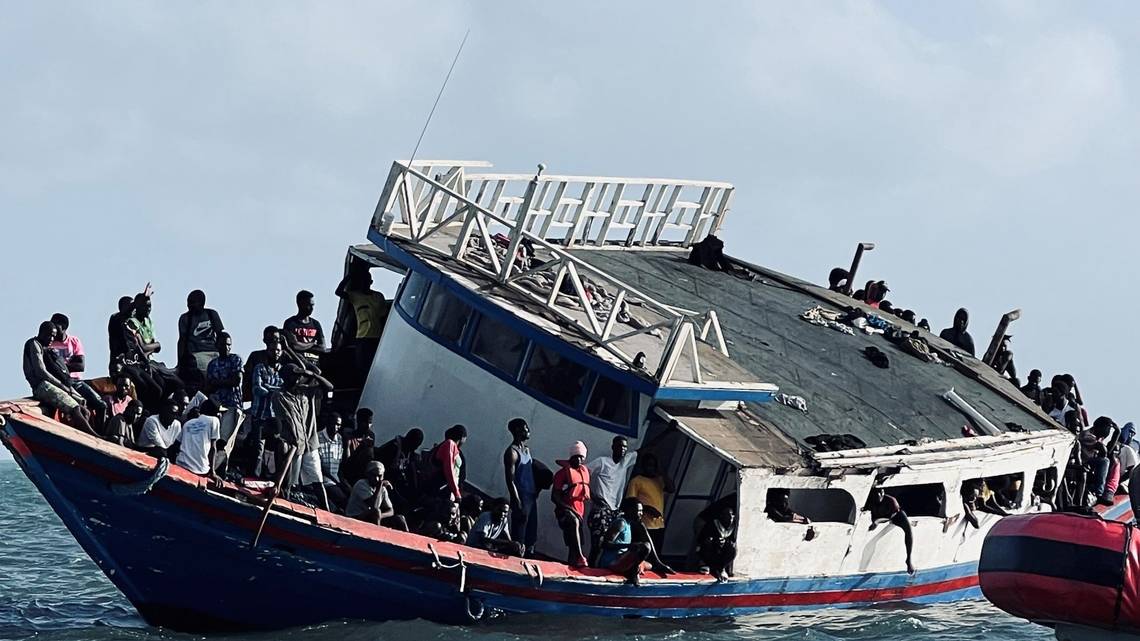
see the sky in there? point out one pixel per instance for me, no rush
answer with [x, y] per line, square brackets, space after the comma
[988, 149]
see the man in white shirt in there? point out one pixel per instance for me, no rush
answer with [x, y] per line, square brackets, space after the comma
[162, 432]
[608, 476]
[200, 438]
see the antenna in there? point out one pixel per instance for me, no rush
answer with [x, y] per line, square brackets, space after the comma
[437, 97]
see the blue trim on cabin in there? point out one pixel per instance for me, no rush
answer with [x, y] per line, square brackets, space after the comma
[528, 331]
[463, 349]
[712, 394]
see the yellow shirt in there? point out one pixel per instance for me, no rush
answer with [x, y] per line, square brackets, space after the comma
[651, 493]
[371, 313]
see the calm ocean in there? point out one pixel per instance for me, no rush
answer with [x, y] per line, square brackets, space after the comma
[50, 590]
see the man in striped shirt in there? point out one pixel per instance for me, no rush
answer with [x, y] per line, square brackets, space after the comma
[267, 383]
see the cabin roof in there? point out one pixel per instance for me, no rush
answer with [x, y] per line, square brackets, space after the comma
[845, 393]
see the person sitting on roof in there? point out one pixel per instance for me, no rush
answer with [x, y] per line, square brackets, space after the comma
[198, 331]
[122, 427]
[716, 546]
[303, 333]
[162, 432]
[1003, 360]
[492, 530]
[371, 311]
[369, 500]
[70, 349]
[779, 508]
[54, 390]
[1032, 387]
[201, 439]
[650, 486]
[885, 508]
[839, 281]
[957, 334]
[570, 493]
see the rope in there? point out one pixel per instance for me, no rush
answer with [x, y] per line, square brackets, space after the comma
[537, 576]
[138, 488]
[461, 563]
[474, 616]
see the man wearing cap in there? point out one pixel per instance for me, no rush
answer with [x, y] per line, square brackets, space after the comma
[369, 500]
[570, 492]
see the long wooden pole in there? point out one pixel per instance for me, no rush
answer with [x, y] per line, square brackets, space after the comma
[273, 495]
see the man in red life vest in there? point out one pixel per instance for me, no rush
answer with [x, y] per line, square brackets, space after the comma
[570, 492]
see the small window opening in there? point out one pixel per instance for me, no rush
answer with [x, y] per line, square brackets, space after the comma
[413, 292]
[498, 345]
[1045, 484]
[444, 314]
[610, 401]
[553, 375]
[810, 505]
[925, 499]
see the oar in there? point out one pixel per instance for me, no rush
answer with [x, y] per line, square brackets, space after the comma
[273, 495]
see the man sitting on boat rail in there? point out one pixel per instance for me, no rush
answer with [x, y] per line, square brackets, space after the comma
[885, 508]
[492, 531]
[47, 387]
[369, 500]
[620, 553]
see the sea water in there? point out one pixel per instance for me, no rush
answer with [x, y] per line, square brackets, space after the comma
[50, 590]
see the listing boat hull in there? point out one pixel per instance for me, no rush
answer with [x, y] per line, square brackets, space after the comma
[1077, 574]
[181, 553]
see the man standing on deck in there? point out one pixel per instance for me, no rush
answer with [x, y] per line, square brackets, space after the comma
[223, 385]
[70, 349]
[269, 336]
[957, 335]
[266, 385]
[295, 409]
[303, 333]
[198, 329]
[371, 312]
[522, 493]
[46, 387]
[608, 476]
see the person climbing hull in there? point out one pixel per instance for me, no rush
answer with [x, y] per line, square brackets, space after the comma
[180, 551]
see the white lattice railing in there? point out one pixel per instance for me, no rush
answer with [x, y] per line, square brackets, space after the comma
[479, 221]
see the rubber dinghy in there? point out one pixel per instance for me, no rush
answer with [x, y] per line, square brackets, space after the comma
[1077, 574]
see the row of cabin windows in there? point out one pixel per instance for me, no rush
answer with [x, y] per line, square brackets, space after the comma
[542, 370]
[836, 505]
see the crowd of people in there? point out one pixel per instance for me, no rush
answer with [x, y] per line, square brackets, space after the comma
[271, 417]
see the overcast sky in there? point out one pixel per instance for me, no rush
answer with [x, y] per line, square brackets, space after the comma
[988, 149]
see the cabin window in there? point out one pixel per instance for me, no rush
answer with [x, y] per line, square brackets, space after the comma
[556, 376]
[819, 505]
[444, 314]
[926, 499]
[414, 288]
[1003, 491]
[610, 401]
[498, 345]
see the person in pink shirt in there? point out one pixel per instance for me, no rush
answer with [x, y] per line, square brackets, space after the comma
[70, 349]
[117, 403]
[449, 457]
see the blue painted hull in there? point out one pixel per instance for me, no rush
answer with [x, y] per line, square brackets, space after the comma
[181, 554]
